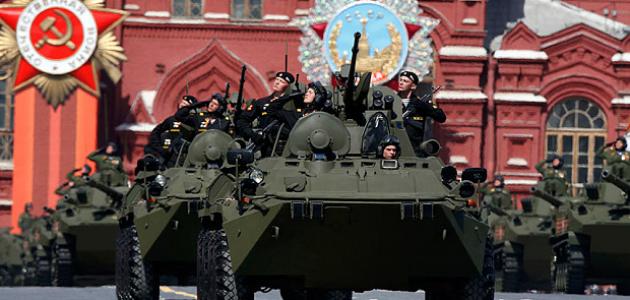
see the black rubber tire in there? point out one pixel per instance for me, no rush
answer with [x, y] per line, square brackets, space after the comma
[508, 272]
[569, 272]
[42, 271]
[480, 287]
[5, 277]
[215, 277]
[61, 269]
[135, 278]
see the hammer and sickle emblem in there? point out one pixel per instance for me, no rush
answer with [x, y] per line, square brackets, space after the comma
[62, 39]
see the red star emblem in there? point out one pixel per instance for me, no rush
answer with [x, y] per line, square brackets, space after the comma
[58, 34]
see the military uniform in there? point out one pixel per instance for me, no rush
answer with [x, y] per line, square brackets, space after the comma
[414, 118]
[165, 138]
[498, 197]
[25, 222]
[105, 161]
[617, 161]
[554, 179]
[205, 121]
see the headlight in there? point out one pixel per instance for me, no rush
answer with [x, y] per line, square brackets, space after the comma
[256, 175]
[161, 180]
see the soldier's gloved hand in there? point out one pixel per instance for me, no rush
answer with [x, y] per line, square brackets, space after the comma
[182, 113]
[258, 138]
[191, 99]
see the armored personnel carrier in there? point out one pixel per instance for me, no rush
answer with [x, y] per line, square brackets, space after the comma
[586, 231]
[85, 227]
[328, 216]
[522, 251]
[12, 259]
[160, 223]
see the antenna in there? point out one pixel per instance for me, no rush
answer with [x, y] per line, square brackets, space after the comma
[286, 56]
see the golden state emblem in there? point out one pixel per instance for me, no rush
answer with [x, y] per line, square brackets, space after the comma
[394, 36]
[59, 45]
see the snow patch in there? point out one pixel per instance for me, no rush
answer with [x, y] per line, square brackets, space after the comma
[521, 54]
[465, 51]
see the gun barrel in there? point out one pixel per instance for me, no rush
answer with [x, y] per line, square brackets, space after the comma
[114, 194]
[547, 197]
[618, 182]
[348, 96]
[241, 85]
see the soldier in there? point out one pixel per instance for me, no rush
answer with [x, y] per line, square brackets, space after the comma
[25, 221]
[212, 116]
[415, 111]
[498, 195]
[389, 148]
[615, 155]
[259, 110]
[315, 99]
[164, 135]
[107, 158]
[554, 176]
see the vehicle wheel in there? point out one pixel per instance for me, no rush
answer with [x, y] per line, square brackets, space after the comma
[215, 277]
[569, 272]
[5, 277]
[61, 265]
[482, 287]
[42, 271]
[508, 272]
[135, 278]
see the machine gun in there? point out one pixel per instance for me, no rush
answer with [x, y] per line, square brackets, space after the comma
[239, 99]
[116, 196]
[352, 110]
[547, 197]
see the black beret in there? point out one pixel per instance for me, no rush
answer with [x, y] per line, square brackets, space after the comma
[288, 77]
[410, 75]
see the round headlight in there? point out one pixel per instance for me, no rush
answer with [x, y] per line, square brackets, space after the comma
[256, 175]
[161, 180]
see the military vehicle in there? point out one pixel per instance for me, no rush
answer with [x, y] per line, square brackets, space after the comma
[12, 258]
[159, 222]
[586, 232]
[522, 251]
[86, 225]
[328, 216]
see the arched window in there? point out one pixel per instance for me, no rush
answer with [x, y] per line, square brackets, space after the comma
[576, 128]
[6, 120]
[246, 9]
[187, 8]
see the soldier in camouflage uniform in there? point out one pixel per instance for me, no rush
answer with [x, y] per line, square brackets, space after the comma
[554, 176]
[25, 222]
[498, 195]
[616, 156]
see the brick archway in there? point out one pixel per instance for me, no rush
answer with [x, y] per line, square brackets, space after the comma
[206, 73]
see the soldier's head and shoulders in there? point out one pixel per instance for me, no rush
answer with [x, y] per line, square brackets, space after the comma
[407, 84]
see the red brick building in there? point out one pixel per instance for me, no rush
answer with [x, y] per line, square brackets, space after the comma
[520, 78]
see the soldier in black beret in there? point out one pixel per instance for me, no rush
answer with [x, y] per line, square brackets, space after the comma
[415, 111]
[213, 115]
[260, 110]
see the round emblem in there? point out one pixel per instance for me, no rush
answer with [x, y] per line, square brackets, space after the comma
[384, 43]
[56, 37]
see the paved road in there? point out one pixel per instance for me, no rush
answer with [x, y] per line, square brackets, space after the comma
[187, 293]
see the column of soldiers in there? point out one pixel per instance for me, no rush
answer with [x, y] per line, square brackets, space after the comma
[264, 120]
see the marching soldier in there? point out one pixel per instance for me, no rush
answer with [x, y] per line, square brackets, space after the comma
[616, 156]
[415, 111]
[25, 221]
